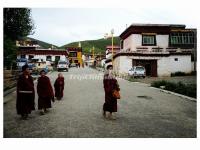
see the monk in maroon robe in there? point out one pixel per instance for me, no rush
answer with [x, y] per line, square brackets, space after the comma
[59, 86]
[110, 84]
[45, 92]
[25, 93]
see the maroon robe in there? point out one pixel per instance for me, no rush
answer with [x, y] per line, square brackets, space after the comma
[45, 92]
[110, 84]
[59, 87]
[25, 99]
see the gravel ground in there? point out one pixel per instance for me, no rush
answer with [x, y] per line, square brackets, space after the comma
[142, 112]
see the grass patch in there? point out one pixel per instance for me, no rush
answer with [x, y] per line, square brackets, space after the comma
[157, 84]
[131, 79]
[179, 73]
[181, 88]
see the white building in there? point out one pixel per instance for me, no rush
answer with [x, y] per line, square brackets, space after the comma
[161, 48]
[116, 49]
[42, 55]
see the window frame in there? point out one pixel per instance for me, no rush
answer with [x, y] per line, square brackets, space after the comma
[149, 44]
[181, 39]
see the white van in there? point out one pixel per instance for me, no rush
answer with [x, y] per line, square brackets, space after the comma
[137, 71]
[62, 65]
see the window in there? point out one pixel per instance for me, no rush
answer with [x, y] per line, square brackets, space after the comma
[23, 56]
[48, 58]
[62, 63]
[57, 58]
[186, 38]
[30, 57]
[175, 59]
[72, 54]
[148, 40]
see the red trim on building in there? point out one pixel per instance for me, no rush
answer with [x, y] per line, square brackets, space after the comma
[42, 52]
[152, 54]
[77, 49]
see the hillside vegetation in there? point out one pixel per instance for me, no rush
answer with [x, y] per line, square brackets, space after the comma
[99, 45]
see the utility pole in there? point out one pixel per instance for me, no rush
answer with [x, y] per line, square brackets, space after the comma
[93, 52]
[112, 32]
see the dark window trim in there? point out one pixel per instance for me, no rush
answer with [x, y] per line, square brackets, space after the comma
[122, 44]
[175, 59]
[189, 45]
[154, 44]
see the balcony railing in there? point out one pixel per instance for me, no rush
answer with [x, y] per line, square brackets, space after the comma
[156, 50]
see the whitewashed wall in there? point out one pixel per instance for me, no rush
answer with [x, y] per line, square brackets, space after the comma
[192, 65]
[128, 42]
[162, 40]
[168, 65]
[43, 57]
[165, 65]
[135, 40]
[183, 64]
[124, 63]
[116, 66]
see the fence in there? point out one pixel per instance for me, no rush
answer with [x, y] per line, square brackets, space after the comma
[10, 79]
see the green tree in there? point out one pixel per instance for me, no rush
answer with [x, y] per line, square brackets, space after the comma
[17, 25]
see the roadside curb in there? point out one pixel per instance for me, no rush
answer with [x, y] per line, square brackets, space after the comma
[179, 95]
[5, 93]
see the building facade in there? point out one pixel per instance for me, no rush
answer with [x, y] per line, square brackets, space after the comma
[75, 55]
[161, 48]
[34, 54]
[116, 49]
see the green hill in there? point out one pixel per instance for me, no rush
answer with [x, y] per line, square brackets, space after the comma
[99, 45]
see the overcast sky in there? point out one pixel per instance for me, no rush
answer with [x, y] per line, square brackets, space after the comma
[60, 26]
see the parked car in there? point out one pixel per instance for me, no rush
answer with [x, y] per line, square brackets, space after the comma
[73, 65]
[33, 68]
[62, 65]
[21, 62]
[137, 71]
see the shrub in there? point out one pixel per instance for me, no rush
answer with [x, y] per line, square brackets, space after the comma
[170, 86]
[193, 73]
[181, 88]
[191, 90]
[159, 83]
[179, 73]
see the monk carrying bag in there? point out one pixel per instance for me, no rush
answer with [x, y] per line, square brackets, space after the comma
[116, 94]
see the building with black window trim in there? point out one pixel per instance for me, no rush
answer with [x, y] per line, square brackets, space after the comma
[161, 48]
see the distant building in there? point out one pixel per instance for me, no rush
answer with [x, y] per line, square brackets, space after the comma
[90, 61]
[161, 48]
[75, 55]
[116, 49]
[24, 44]
[33, 52]
[108, 60]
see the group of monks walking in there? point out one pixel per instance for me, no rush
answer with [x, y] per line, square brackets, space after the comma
[26, 92]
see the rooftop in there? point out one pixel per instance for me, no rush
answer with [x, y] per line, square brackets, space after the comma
[138, 28]
[158, 25]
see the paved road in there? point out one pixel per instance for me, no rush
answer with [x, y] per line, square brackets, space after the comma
[142, 112]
